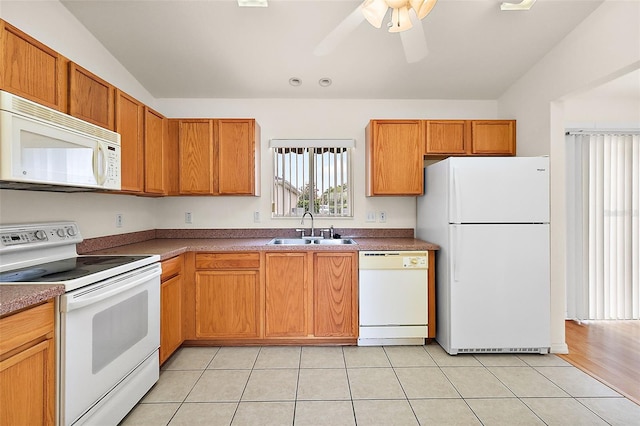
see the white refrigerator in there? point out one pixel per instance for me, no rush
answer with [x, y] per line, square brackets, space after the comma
[490, 216]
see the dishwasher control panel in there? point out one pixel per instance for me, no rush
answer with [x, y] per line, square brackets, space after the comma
[380, 260]
[414, 262]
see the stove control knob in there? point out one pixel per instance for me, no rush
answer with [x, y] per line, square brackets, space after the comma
[60, 233]
[71, 231]
[40, 235]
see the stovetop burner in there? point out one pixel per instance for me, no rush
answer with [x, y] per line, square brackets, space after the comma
[66, 269]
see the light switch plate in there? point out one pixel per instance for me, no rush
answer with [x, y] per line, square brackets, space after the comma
[371, 216]
[188, 217]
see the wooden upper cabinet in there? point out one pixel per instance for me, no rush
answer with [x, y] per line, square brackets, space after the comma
[493, 137]
[335, 299]
[238, 153]
[218, 157]
[470, 137]
[447, 137]
[394, 154]
[155, 133]
[130, 125]
[32, 70]
[196, 156]
[91, 98]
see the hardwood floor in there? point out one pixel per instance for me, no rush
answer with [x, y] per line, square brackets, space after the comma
[608, 351]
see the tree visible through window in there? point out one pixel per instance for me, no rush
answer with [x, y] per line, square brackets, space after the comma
[312, 178]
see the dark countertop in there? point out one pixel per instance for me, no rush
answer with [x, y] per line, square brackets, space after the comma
[170, 247]
[16, 297]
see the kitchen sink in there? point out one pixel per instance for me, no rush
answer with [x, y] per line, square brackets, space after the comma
[309, 241]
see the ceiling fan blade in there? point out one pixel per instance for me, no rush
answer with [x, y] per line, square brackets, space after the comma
[339, 33]
[414, 41]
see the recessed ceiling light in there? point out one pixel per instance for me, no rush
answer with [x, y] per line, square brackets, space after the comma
[295, 81]
[252, 3]
[324, 82]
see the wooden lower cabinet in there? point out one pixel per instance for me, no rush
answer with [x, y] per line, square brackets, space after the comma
[226, 304]
[272, 297]
[335, 297]
[286, 296]
[171, 307]
[227, 295]
[27, 367]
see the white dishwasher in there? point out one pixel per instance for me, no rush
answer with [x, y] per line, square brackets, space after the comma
[393, 297]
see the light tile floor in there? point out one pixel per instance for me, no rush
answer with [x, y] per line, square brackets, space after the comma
[393, 385]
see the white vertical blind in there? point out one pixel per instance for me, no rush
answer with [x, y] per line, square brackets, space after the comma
[604, 229]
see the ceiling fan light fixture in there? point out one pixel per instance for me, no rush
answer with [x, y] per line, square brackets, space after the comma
[374, 11]
[523, 5]
[422, 7]
[400, 20]
[252, 3]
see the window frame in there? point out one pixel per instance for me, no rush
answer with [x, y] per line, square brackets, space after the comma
[310, 147]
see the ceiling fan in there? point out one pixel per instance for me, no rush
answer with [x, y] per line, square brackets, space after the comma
[405, 19]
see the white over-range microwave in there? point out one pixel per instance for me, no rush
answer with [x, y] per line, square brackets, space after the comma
[44, 149]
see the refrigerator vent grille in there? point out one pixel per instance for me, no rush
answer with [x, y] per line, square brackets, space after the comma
[501, 350]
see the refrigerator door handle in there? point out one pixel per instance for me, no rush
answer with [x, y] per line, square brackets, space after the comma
[457, 199]
[455, 244]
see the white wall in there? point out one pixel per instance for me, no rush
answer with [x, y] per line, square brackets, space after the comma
[299, 119]
[52, 24]
[603, 47]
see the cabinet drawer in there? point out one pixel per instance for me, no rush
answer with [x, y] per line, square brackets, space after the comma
[238, 260]
[26, 326]
[171, 267]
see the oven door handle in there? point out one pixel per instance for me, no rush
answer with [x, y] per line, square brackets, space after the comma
[69, 303]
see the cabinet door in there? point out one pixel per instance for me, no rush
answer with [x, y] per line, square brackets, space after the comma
[91, 98]
[447, 137]
[285, 295]
[335, 308]
[30, 69]
[227, 304]
[235, 140]
[394, 157]
[154, 133]
[195, 144]
[26, 386]
[170, 316]
[27, 367]
[493, 137]
[130, 125]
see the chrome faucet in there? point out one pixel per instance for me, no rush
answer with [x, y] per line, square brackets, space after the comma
[302, 221]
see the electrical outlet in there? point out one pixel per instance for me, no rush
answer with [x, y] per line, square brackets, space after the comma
[256, 217]
[371, 216]
[119, 220]
[382, 217]
[188, 218]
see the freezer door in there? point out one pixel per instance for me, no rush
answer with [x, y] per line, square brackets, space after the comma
[499, 287]
[499, 190]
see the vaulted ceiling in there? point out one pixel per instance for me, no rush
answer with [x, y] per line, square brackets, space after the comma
[215, 49]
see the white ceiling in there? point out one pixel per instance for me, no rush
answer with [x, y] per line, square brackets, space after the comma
[214, 49]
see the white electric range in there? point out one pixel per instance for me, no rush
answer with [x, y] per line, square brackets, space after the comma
[107, 321]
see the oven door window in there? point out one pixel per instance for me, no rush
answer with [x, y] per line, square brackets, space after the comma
[119, 328]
